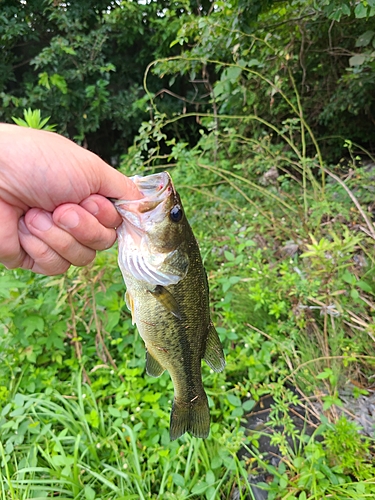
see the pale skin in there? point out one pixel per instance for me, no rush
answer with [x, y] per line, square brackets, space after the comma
[54, 210]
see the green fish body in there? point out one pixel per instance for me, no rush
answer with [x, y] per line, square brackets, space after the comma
[167, 293]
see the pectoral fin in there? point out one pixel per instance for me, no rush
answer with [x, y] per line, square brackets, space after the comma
[167, 300]
[153, 367]
[130, 305]
[214, 355]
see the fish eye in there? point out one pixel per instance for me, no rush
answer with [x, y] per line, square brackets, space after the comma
[176, 213]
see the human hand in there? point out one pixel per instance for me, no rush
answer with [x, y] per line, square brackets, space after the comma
[53, 206]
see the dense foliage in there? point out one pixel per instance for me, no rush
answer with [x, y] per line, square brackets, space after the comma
[262, 110]
[83, 64]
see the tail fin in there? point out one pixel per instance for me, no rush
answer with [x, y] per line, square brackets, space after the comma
[192, 416]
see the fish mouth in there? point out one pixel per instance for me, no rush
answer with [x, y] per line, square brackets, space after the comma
[154, 189]
[149, 210]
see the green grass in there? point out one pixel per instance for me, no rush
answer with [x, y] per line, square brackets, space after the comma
[53, 444]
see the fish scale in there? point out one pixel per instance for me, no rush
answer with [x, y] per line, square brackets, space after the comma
[167, 293]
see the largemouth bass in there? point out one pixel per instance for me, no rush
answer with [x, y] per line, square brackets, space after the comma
[167, 294]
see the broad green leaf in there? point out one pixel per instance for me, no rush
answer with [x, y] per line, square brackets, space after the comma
[113, 318]
[232, 73]
[68, 50]
[44, 80]
[59, 82]
[228, 255]
[336, 12]
[89, 493]
[115, 412]
[199, 488]
[33, 323]
[234, 400]
[248, 405]
[9, 448]
[237, 412]
[357, 60]
[298, 462]
[210, 493]
[361, 11]
[7, 283]
[151, 398]
[93, 419]
[178, 480]
[364, 39]
[283, 481]
[364, 286]
[345, 9]
[19, 399]
[6, 409]
[361, 488]
[17, 412]
[216, 462]
[349, 278]
[210, 477]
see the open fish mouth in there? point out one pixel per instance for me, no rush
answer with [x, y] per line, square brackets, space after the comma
[139, 214]
[154, 188]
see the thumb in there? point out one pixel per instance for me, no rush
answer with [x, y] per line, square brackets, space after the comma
[113, 184]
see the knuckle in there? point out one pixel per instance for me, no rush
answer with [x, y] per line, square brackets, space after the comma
[46, 254]
[100, 239]
[11, 260]
[10, 264]
[27, 263]
[64, 246]
[85, 258]
[96, 238]
[63, 267]
[106, 240]
[52, 268]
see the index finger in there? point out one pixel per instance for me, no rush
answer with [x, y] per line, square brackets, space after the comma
[103, 210]
[83, 226]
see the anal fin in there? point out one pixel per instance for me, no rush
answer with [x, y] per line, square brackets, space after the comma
[214, 355]
[153, 367]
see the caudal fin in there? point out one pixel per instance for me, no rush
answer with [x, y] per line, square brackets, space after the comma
[192, 416]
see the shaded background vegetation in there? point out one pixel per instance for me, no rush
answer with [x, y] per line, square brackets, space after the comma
[83, 64]
[263, 112]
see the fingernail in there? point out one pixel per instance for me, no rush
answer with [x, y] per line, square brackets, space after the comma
[22, 226]
[90, 206]
[69, 219]
[42, 221]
